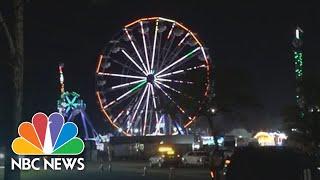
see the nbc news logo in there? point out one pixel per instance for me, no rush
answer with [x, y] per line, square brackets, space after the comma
[49, 136]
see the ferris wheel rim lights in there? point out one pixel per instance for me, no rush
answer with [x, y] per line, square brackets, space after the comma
[158, 78]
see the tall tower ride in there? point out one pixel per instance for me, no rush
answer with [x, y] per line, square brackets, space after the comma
[298, 63]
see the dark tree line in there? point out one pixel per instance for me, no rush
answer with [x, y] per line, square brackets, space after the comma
[232, 96]
[305, 133]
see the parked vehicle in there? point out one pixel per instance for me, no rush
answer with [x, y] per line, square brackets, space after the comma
[198, 158]
[165, 156]
[268, 163]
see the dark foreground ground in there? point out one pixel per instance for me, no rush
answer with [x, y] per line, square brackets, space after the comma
[120, 170]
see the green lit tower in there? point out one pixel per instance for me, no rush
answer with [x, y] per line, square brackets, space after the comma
[298, 63]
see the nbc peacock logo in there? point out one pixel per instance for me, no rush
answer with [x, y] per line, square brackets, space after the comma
[47, 136]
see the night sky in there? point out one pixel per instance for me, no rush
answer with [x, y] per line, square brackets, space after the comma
[253, 37]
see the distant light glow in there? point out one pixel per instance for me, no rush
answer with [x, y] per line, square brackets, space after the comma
[165, 149]
[297, 34]
[136, 130]
[270, 138]
[170, 152]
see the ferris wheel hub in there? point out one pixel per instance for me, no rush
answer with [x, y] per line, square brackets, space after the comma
[150, 78]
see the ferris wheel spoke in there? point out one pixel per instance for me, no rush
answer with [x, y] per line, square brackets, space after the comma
[170, 32]
[154, 103]
[128, 67]
[125, 94]
[169, 87]
[126, 84]
[184, 62]
[166, 51]
[173, 101]
[121, 75]
[128, 106]
[175, 90]
[145, 46]
[138, 107]
[184, 38]
[176, 51]
[179, 60]
[173, 55]
[137, 52]
[130, 58]
[174, 81]
[182, 71]
[146, 111]
[159, 52]
[170, 39]
[154, 44]
[164, 56]
[124, 112]
[118, 116]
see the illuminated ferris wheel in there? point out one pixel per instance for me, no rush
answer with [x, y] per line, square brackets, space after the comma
[152, 78]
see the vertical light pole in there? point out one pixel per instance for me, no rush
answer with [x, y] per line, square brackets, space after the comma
[298, 64]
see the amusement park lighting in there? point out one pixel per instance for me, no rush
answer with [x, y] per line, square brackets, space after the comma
[130, 58]
[297, 34]
[141, 87]
[137, 52]
[165, 149]
[145, 46]
[136, 130]
[154, 44]
[179, 60]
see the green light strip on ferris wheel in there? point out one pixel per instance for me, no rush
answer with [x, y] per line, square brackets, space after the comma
[138, 86]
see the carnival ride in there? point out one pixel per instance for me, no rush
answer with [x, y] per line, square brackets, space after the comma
[72, 107]
[152, 78]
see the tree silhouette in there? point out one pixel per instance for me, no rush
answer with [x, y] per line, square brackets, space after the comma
[15, 43]
[232, 95]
